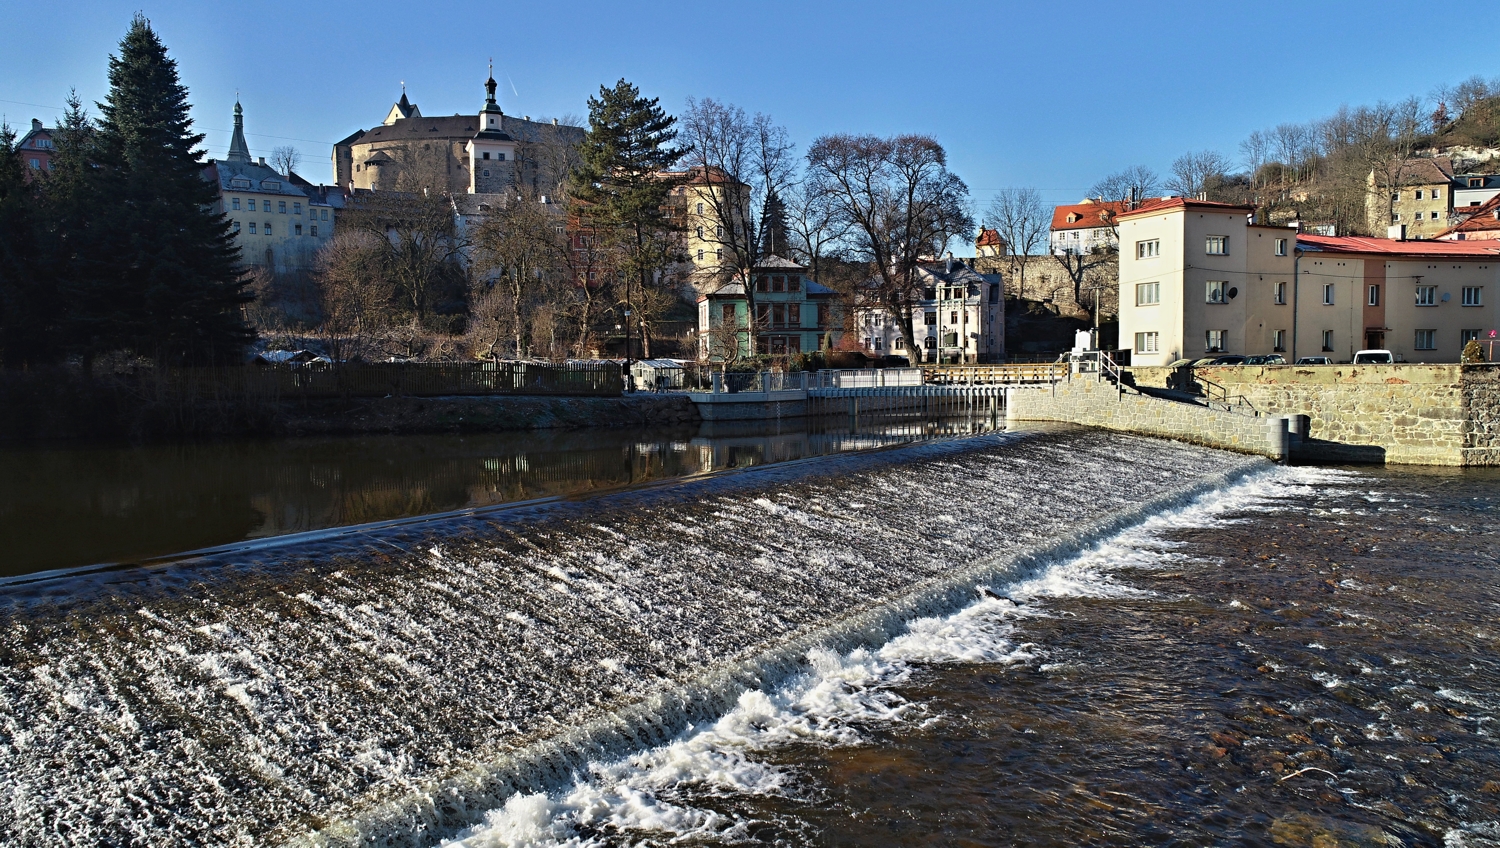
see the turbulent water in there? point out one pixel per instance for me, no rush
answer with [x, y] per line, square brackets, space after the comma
[385, 685]
[1307, 657]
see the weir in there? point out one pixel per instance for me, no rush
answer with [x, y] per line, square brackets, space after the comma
[388, 687]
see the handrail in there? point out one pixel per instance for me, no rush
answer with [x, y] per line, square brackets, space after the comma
[1230, 403]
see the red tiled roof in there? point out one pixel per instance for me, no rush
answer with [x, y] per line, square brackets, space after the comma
[1482, 219]
[988, 236]
[1393, 247]
[1163, 204]
[1088, 214]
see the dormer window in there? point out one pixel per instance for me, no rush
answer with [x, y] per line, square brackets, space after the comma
[1074, 217]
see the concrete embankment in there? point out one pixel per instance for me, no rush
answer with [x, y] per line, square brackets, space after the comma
[1403, 414]
[484, 414]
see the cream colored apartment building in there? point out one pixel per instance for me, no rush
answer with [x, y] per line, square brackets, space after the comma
[1198, 279]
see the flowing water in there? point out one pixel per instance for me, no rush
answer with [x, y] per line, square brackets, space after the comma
[1298, 656]
[1308, 657]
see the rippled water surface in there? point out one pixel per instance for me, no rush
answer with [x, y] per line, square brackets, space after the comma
[1307, 658]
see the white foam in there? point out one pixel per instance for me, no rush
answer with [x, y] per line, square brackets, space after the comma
[840, 696]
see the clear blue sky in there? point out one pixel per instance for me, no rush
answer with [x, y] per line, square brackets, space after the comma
[1049, 95]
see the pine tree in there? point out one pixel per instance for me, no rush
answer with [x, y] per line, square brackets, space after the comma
[75, 264]
[177, 289]
[774, 227]
[620, 182]
[20, 291]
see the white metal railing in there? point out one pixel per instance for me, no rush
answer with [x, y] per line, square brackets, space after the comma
[865, 378]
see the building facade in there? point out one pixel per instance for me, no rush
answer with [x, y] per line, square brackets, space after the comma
[1198, 279]
[960, 318]
[484, 153]
[280, 221]
[35, 147]
[1084, 227]
[793, 314]
[1421, 197]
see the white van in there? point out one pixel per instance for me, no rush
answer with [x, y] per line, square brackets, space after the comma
[1374, 357]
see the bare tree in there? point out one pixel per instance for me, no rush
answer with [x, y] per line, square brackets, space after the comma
[816, 227]
[355, 295]
[1020, 217]
[734, 160]
[285, 159]
[1192, 173]
[902, 205]
[517, 252]
[1256, 148]
[1133, 183]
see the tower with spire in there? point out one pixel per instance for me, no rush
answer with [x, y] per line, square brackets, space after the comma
[239, 151]
[492, 152]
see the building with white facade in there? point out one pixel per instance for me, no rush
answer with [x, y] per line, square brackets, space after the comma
[1199, 279]
[960, 318]
[1084, 227]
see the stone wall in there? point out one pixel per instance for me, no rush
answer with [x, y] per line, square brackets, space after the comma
[1094, 403]
[1417, 414]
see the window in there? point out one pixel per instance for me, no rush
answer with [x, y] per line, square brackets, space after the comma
[1437, 193]
[1281, 294]
[1327, 341]
[794, 314]
[1147, 249]
[1374, 296]
[1419, 194]
[36, 164]
[1426, 340]
[700, 233]
[485, 155]
[251, 203]
[727, 316]
[778, 283]
[953, 317]
[252, 228]
[323, 215]
[1466, 336]
[1328, 294]
[700, 209]
[500, 156]
[1218, 245]
[900, 343]
[297, 229]
[234, 203]
[1147, 294]
[268, 228]
[762, 283]
[778, 314]
[1395, 217]
[236, 226]
[486, 172]
[296, 208]
[877, 343]
[719, 254]
[1281, 247]
[1213, 341]
[1434, 216]
[994, 292]
[1473, 296]
[930, 342]
[1427, 295]
[1278, 341]
[793, 283]
[930, 319]
[281, 206]
[1148, 342]
[929, 294]
[1476, 182]
[1214, 292]
[700, 254]
[719, 232]
[314, 230]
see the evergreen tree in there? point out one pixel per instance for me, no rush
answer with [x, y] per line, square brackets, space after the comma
[75, 266]
[774, 227]
[20, 291]
[620, 182]
[176, 290]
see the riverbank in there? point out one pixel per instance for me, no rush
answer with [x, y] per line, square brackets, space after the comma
[60, 406]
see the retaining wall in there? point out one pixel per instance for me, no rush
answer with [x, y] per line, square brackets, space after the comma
[1417, 414]
[1096, 403]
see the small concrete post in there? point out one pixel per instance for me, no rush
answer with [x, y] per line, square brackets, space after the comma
[1279, 439]
[804, 381]
[718, 381]
[1300, 424]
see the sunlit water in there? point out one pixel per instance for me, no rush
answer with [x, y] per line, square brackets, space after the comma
[1305, 658]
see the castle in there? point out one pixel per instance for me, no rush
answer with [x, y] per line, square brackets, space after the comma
[486, 153]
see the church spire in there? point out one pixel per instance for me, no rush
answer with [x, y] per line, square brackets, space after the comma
[239, 151]
[489, 87]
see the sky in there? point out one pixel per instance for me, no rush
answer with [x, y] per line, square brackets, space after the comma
[1044, 95]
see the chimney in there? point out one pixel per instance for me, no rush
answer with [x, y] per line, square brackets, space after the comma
[554, 122]
[35, 125]
[1396, 232]
[263, 161]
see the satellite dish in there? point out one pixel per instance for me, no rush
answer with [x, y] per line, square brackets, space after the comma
[1446, 296]
[1232, 292]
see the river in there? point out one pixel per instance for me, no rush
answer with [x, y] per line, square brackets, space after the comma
[1173, 645]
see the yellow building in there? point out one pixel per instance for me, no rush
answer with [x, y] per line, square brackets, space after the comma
[280, 221]
[702, 201]
[1420, 198]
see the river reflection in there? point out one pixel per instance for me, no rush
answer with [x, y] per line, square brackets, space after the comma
[69, 507]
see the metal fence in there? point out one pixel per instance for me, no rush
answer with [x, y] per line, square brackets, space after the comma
[396, 379]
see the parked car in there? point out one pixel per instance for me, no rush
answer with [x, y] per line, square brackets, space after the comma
[1374, 357]
[1270, 359]
[1228, 359]
[1314, 360]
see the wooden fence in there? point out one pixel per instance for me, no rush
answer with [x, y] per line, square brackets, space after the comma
[396, 379]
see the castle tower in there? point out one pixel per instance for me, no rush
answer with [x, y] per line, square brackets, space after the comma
[239, 151]
[492, 153]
